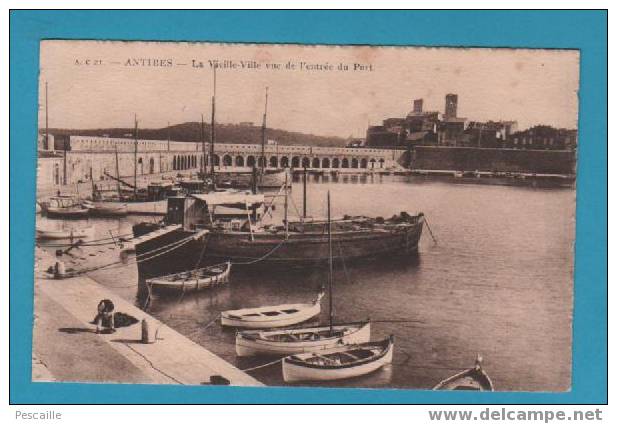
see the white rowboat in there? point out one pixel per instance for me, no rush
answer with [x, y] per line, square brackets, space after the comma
[339, 363]
[103, 208]
[272, 316]
[42, 233]
[197, 279]
[300, 340]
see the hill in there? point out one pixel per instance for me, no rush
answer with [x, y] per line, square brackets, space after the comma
[225, 133]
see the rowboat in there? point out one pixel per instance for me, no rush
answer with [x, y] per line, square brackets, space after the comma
[272, 316]
[196, 279]
[105, 208]
[64, 207]
[339, 363]
[266, 178]
[300, 340]
[65, 233]
[471, 379]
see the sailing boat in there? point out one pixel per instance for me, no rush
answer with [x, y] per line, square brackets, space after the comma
[357, 237]
[267, 178]
[151, 201]
[99, 205]
[310, 339]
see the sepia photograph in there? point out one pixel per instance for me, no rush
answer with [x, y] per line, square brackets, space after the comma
[342, 216]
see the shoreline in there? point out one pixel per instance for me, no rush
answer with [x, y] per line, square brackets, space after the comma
[63, 313]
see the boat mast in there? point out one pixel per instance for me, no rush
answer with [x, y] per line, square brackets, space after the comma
[263, 136]
[212, 131]
[135, 160]
[168, 135]
[304, 194]
[330, 264]
[46, 120]
[286, 209]
[203, 148]
[117, 172]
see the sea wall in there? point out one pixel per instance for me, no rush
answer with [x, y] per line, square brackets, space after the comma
[504, 160]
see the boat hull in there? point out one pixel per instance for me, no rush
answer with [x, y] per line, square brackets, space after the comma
[108, 209]
[297, 373]
[248, 346]
[66, 214]
[473, 379]
[193, 284]
[270, 179]
[298, 250]
[305, 312]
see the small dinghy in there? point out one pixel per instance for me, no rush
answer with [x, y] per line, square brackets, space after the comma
[64, 233]
[300, 340]
[106, 209]
[272, 316]
[197, 279]
[471, 379]
[339, 363]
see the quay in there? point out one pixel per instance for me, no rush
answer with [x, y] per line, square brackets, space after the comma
[66, 347]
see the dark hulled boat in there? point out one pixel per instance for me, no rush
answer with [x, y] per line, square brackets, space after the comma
[245, 241]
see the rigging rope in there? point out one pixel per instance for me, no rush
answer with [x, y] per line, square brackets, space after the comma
[429, 230]
[94, 242]
[137, 259]
[263, 257]
[340, 248]
[262, 366]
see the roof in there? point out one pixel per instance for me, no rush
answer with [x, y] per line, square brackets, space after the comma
[230, 198]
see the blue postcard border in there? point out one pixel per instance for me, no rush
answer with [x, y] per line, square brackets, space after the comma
[584, 30]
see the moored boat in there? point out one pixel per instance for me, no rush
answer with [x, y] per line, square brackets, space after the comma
[106, 208]
[366, 238]
[64, 207]
[197, 279]
[339, 363]
[272, 316]
[266, 178]
[299, 340]
[474, 379]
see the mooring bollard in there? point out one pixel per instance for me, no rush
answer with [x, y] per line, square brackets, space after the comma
[59, 270]
[148, 334]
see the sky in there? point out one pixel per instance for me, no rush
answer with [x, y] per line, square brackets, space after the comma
[102, 84]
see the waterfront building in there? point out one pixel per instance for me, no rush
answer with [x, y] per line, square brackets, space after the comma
[544, 137]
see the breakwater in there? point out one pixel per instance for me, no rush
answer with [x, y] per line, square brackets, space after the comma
[496, 160]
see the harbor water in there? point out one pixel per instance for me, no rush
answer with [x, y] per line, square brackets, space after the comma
[498, 283]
